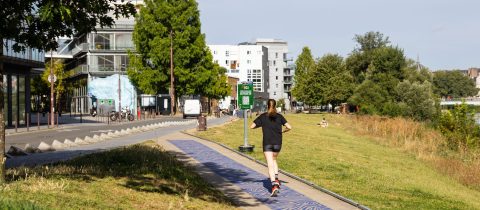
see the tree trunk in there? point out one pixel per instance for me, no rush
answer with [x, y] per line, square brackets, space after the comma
[2, 121]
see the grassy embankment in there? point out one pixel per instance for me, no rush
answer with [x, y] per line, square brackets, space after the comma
[136, 177]
[379, 171]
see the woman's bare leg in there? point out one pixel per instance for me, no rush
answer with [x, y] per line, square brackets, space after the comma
[271, 164]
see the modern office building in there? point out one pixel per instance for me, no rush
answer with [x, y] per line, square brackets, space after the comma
[97, 62]
[18, 69]
[247, 62]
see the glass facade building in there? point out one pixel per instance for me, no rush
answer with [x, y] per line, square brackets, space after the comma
[98, 62]
[18, 69]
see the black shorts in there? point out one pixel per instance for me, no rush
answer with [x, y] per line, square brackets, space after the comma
[272, 147]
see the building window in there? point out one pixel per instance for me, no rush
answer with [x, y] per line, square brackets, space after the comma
[276, 77]
[123, 41]
[249, 52]
[249, 62]
[276, 69]
[274, 93]
[227, 53]
[216, 61]
[276, 55]
[255, 75]
[274, 62]
[276, 85]
[214, 52]
[226, 62]
[103, 41]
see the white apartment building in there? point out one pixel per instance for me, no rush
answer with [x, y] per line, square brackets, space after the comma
[277, 63]
[246, 62]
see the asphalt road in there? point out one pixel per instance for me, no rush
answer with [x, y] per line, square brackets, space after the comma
[76, 130]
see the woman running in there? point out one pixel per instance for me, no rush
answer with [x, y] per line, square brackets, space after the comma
[271, 123]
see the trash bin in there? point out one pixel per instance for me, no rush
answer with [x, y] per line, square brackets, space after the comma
[202, 123]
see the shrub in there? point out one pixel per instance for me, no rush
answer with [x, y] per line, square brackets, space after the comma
[459, 127]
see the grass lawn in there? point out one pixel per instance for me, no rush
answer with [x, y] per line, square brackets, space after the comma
[136, 177]
[356, 167]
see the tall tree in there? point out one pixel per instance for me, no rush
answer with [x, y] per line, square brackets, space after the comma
[36, 23]
[193, 65]
[370, 41]
[304, 64]
[331, 80]
[359, 60]
[453, 84]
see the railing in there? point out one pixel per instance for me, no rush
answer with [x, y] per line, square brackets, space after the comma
[80, 48]
[81, 69]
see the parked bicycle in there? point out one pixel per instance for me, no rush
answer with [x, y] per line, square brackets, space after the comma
[126, 113]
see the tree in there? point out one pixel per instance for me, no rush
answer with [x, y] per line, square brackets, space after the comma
[37, 23]
[370, 41]
[304, 64]
[194, 71]
[417, 99]
[386, 68]
[331, 80]
[360, 59]
[370, 97]
[453, 84]
[60, 83]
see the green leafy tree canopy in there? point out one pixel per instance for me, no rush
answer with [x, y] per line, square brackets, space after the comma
[161, 24]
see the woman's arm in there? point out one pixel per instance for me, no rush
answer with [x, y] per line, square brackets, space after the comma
[288, 127]
[253, 126]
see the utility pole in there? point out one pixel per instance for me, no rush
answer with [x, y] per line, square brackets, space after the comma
[52, 83]
[172, 88]
[119, 94]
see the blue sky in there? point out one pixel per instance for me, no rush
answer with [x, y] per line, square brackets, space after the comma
[445, 34]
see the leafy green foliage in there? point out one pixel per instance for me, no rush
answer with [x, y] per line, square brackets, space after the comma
[324, 81]
[333, 79]
[36, 23]
[160, 24]
[370, 97]
[304, 64]
[370, 41]
[453, 84]
[60, 85]
[460, 128]
[416, 100]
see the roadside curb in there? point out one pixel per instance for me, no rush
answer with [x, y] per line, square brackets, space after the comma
[349, 201]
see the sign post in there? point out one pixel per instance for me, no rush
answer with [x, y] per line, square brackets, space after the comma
[245, 102]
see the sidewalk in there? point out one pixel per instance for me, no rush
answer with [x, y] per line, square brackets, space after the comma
[66, 121]
[243, 180]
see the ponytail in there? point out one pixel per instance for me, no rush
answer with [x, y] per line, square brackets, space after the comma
[271, 105]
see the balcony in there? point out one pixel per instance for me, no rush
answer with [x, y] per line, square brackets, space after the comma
[81, 69]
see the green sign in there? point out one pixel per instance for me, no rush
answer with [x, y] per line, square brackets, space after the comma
[245, 96]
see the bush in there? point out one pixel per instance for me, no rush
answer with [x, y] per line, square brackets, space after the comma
[460, 128]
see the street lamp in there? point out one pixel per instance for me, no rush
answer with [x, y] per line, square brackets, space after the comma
[172, 88]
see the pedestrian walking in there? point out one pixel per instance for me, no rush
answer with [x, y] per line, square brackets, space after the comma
[271, 123]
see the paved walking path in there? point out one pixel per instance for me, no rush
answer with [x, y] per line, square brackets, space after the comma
[243, 180]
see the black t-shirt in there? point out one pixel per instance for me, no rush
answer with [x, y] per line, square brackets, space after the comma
[271, 128]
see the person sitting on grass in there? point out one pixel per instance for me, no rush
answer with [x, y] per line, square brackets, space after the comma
[323, 124]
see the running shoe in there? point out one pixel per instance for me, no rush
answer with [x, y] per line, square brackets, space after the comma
[278, 182]
[275, 190]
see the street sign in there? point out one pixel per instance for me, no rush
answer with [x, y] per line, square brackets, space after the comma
[50, 78]
[245, 96]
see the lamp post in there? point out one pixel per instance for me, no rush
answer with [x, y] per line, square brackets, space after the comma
[52, 83]
[119, 91]
[172, 88]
